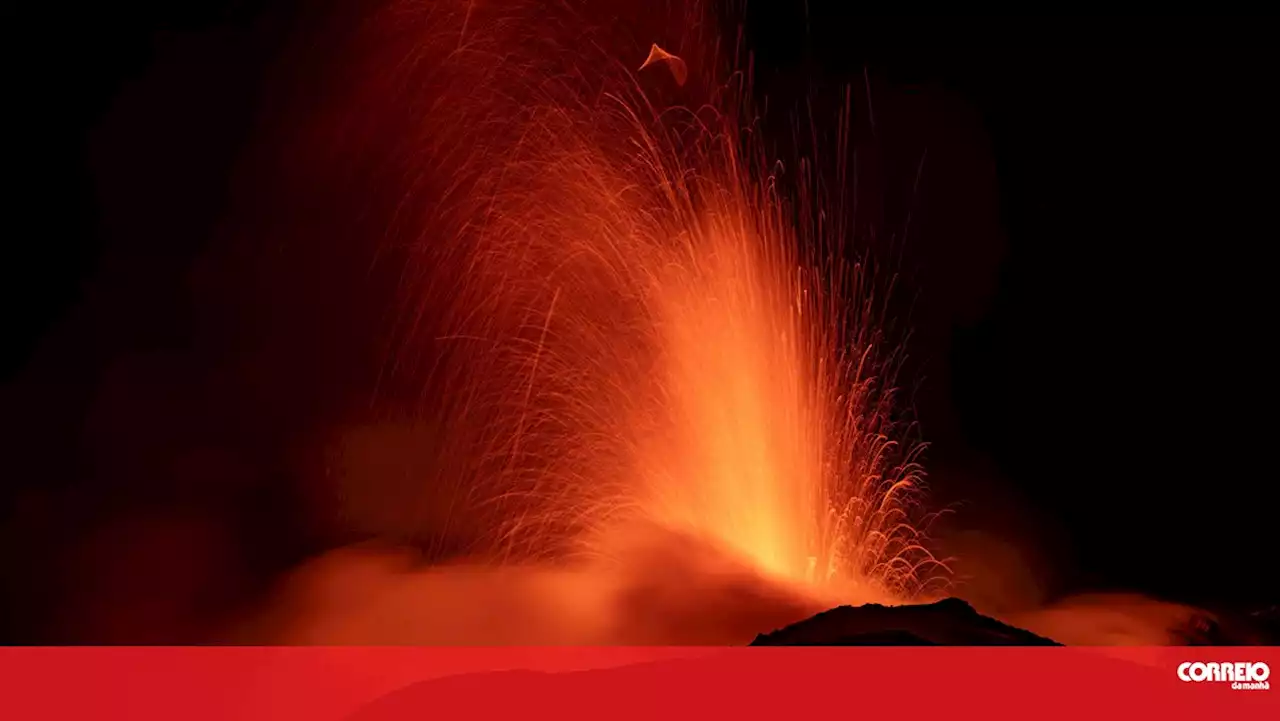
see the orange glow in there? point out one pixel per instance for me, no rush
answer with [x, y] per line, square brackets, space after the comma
[654, 334]
[624, 326]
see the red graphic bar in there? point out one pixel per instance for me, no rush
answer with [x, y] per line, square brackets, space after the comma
[390, 684]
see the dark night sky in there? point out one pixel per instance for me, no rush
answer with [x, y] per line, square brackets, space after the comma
[1089, 247]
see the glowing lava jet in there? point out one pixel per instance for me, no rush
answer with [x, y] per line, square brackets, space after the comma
[653, 370]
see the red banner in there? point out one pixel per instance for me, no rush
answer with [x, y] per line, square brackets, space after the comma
[390, 684]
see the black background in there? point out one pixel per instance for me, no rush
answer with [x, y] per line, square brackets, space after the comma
[1091, 208]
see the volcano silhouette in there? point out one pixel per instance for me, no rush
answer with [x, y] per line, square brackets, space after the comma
[950, 622]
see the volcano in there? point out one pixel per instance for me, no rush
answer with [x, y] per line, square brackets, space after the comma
[950, 622]
[953, 622]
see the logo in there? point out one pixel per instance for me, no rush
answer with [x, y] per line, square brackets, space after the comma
[1242, 676]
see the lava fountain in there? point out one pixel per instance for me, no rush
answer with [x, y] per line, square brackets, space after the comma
[638, 335]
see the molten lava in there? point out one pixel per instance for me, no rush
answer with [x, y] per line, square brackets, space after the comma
[632, 337]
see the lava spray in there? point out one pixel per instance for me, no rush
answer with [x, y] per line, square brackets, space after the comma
[636, 331]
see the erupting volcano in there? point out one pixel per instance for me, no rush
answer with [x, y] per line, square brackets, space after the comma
[651, 375]
[640, 338]
[613, 322]
[637, 339]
